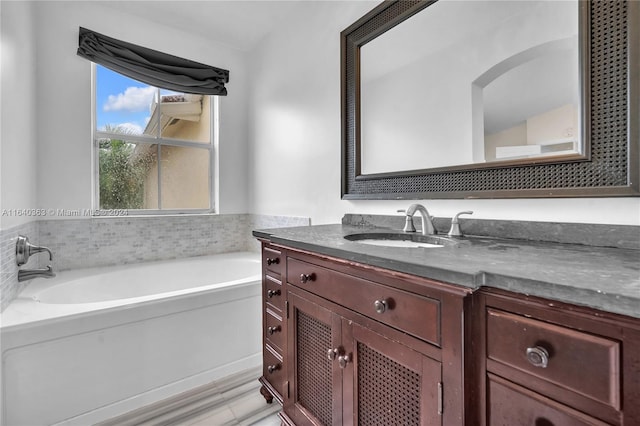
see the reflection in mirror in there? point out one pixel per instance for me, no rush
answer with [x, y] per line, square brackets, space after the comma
[467, 82]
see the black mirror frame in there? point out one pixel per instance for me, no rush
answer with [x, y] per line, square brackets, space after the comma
[610, 166]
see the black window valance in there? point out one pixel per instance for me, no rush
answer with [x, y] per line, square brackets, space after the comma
[152, 67]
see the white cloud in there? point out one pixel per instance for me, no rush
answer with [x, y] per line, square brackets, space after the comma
[124, 128]
[134, 99]
[133, 128]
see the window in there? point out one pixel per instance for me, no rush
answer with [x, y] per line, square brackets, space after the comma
[153, 148]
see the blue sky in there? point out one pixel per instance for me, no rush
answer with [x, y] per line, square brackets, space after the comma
[122, 101]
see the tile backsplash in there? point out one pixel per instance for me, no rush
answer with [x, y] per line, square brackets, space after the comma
[85, 243]
[9, 285]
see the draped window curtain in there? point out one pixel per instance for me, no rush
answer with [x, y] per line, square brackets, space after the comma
[152, 67]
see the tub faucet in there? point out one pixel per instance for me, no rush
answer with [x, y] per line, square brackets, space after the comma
[427, 220]
[24, 250]
[28, 274]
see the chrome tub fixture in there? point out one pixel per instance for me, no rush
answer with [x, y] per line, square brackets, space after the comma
[24, 250]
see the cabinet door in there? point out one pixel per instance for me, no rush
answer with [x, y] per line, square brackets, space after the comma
[387, 383]
[316, 386]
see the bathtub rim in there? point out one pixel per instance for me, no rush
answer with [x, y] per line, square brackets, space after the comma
[25, 312]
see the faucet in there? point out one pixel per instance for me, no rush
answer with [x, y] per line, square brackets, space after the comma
[28, 274]
[427, 220]
[24, 249]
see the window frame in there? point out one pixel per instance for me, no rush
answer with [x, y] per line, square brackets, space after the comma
[159, 141]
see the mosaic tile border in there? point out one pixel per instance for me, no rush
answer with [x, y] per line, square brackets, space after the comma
[86, 243]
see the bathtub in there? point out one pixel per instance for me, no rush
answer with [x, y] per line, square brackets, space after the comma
[92, 344]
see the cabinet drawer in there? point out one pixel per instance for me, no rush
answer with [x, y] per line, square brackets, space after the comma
[273, 293]
[272, 260]
[580, 362]
[273, 369]
[409, 312]
[273, 331]
[513, 405]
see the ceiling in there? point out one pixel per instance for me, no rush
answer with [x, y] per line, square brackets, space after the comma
[239, 24]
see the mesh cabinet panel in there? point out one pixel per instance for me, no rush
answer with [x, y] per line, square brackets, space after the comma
[314, 369]
[388, 392]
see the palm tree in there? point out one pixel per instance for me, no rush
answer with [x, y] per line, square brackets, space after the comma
[122, 171]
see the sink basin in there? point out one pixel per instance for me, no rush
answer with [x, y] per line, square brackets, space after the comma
[392, 239]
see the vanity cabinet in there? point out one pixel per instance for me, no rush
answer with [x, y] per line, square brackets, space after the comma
[346, 343]
[368, 346]
[550, 364]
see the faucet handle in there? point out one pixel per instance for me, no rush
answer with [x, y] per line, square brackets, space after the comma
[401, 210]
[408, 224]
[455, 231]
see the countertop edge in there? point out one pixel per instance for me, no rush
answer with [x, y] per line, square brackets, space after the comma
[601, 300]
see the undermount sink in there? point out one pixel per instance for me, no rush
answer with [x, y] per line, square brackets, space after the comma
[392, 239]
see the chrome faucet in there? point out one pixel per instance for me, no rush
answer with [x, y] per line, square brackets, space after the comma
[24, 250]
[28, 274]
[427, 220]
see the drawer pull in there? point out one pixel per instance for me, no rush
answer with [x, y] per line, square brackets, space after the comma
[272, 293]
[332, 354]
[272, 330]
[343, 360]
[273, 261]
[538, 356]
[381, 306]
[305, 278]
[273, 368]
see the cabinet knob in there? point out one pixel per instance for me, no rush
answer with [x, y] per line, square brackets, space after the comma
[273, 261]
[273, 368]
[332, 354]
[538, 356]
[381, 306]
[271, 293]
[304, 278]
[272, 330]
[343, 360]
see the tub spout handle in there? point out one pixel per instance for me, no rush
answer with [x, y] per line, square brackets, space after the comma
[24, 250]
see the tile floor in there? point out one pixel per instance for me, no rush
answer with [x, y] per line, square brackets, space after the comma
[243, 406]
[233, 400]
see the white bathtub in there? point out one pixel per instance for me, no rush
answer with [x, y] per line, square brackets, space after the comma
[92, 344]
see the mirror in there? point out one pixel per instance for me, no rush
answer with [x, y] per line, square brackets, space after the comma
[471, 82]
[459, 99]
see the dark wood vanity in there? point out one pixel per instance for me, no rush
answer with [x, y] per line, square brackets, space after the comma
[350, 343]
[486, 333]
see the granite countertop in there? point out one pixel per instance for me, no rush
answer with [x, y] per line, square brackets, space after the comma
[599, 277]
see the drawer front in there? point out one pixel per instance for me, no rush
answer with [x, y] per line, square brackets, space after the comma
[509, 404]
[273, 331]
[273, 293]
[272, 260]
[273, 369]
[583, 363]
[409, 312]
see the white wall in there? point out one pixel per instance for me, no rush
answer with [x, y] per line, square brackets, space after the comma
[18, 129]
[63, 108]
[291, 119]
[295, 135]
